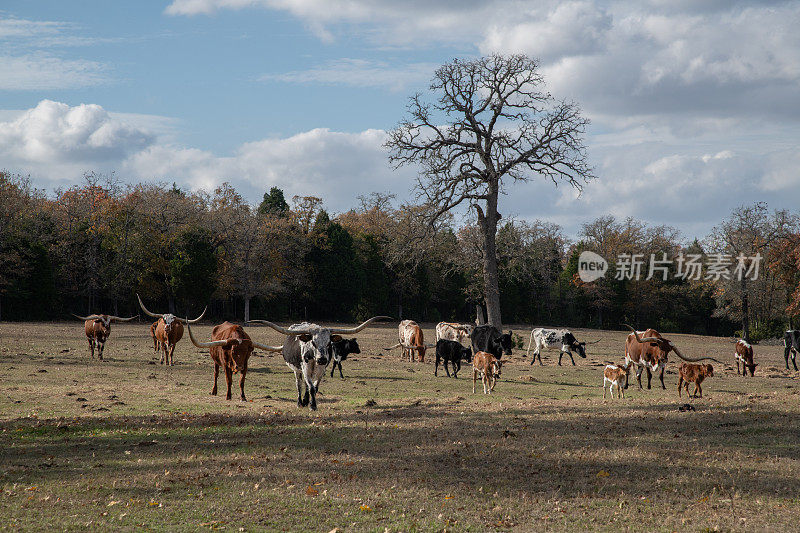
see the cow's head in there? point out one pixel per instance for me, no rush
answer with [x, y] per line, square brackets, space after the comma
[709, 370]
[497, 367]
[316, 345]
[466, 354]
[506, 342]
[170, 320]
[315, 341]
[104, 320]
[572, 342]
[752, 368]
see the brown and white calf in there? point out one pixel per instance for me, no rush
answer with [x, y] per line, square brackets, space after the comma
[156, 342]
[411, 340]
[743, 352]
[488, 367]
[694, 373]
[615, 375]
[98, 328]
[454, 332]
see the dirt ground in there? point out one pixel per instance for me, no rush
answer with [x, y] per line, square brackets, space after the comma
[128, 443]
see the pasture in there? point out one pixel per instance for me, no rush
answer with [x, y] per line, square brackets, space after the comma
[130, 444]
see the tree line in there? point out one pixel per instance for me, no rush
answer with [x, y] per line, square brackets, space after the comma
[91, 247]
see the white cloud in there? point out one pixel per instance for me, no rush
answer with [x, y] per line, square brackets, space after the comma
[54, 138]
[333, 165]
[359, 73]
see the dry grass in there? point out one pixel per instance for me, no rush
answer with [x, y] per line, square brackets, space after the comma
[128, 444]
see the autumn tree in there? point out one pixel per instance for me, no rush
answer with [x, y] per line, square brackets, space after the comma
[748, 233]
[490, 125]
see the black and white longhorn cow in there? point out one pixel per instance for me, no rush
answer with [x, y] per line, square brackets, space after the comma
[542, 338]
[307, 351]
[791, 343]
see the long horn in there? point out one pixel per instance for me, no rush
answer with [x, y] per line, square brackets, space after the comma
[279, 329]
[643, 340]
[690, 359]
[196, 320]
[392, 347]
[148, 313]
[90, 317]
[267, 348]
[208, 344]
[118, 319]
[594, 342]
[350, 331]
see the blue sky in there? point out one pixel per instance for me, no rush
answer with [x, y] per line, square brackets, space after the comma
[695, 106]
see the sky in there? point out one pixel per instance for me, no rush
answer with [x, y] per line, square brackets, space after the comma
[695, 104]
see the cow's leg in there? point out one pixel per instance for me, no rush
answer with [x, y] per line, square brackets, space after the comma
[639, 370]
[298, 377]
[474, 379]
[571, 358]
[698, 388]
[436, 365]
[620, 392]
[172, 356]
[737, 364]
[241, 381]
[604, 387]
[163, 353]
[228, 381]
[680, 384]
[333, 367]
[649, 377]
[661, 377]
[794, 359]
[447, 369]
[91, 351]
[216, 375]
[456, 368]
[560, 355]
[312, 389]
[340, 370]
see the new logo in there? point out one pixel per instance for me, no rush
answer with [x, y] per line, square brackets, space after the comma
[591, 266]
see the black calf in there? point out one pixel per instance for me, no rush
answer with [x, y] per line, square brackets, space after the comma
[453, 352]
[340, 350]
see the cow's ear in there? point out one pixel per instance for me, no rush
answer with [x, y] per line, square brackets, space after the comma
[336, 338]
[305, 337]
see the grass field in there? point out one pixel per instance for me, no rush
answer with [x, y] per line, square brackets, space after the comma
[130, 444]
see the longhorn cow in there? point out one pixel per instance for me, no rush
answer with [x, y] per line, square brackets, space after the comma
[411, 340]
[230, 348]
[648, 350]
[98, 328]
[307, 351]
[168, 331]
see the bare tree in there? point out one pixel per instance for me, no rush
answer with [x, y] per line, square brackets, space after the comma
[491, 122]
[750, 230]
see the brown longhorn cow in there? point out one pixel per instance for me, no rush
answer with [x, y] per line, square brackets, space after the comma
[168, 331]
[648, 350]
[230, 348]
[98, 328]
[411, 340]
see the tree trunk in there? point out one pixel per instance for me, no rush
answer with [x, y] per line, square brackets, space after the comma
[246, 308]
[488, 224]
[745, 311]
[480, 319]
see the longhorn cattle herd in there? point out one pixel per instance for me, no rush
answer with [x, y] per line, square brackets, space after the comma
[309, 348]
